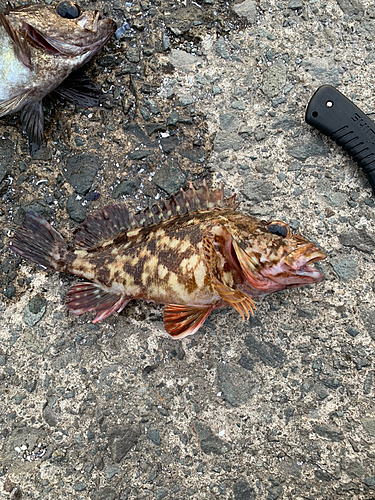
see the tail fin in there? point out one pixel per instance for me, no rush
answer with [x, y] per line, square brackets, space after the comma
[36, 240]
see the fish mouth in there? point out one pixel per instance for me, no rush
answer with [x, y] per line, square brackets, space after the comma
[300, 262]
[296, 269]
[307, 270]
[89, 22]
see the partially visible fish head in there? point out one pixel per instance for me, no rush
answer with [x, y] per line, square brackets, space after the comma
[272, 258]
[64, 31]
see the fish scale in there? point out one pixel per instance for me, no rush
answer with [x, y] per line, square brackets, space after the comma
[194, 253]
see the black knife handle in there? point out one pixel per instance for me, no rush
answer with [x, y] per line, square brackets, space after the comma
[335, 115]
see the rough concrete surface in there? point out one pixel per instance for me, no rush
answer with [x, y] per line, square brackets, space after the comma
[278, 407]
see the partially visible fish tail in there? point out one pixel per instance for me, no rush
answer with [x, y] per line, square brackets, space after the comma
[38, 241]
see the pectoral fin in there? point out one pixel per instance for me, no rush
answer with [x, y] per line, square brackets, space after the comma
[183, 320]
[80, 90]
[85, 297]
[32, 119]
[241, 302]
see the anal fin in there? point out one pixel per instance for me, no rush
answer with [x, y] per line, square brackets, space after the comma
[183, 320]
[84, 297]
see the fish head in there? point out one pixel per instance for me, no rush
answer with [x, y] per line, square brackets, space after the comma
[272, 258]
[65, 31]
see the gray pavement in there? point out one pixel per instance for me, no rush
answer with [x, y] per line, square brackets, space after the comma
[278, 407]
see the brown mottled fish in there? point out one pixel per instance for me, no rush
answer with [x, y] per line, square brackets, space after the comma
[194, 253]
[40, 46]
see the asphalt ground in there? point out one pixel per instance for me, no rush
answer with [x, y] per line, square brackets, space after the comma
[277, 407]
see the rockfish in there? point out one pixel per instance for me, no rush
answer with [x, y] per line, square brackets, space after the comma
[194, 253]
[39, 48]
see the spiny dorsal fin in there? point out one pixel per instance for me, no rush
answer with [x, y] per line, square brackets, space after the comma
[21, 47]
[103, 226]
[7, 7]
[114, 221]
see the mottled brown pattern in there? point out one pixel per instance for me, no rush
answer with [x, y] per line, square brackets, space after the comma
[195, 262]
[191, 284]
[172, 245]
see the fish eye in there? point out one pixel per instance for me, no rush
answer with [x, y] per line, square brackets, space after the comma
[68, 10]
[279, 228]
